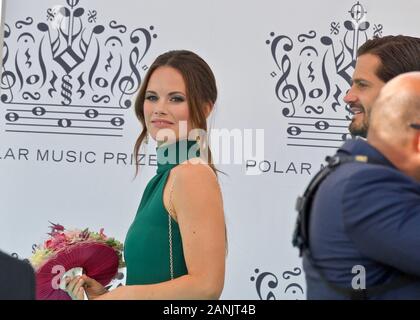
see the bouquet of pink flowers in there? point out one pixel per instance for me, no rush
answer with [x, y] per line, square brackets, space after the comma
[97, 255]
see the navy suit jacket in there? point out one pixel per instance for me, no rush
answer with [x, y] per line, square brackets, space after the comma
[368, 215]
[17, 279]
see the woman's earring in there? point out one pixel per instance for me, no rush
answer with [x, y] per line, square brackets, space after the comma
[146, 138]
[201, 141]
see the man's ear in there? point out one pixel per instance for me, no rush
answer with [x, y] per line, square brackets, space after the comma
[418, 142]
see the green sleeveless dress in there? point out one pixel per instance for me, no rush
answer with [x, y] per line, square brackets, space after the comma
[147, 244]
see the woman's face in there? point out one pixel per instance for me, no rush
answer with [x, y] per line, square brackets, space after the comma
[165, 106]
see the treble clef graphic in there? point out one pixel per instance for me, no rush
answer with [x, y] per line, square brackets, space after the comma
[128, 85]
[285, 92]
[8, 78]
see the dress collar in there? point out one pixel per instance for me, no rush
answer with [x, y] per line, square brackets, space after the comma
[170, 155]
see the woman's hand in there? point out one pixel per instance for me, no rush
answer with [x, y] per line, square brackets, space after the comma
[76, 286]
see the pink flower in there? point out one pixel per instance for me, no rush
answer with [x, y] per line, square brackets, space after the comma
[101, 233]
[48, 244]
[55, 227]
[72, 236]
[84, 235]
[57, 242]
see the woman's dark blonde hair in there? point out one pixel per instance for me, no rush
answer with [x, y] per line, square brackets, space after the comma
[201, 91]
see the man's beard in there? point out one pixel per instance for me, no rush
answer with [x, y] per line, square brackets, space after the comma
[355, 128]
[360, 131]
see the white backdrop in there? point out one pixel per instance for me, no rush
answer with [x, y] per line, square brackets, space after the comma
[280, 66]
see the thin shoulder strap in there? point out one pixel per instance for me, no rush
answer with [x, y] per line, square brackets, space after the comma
[170, 209]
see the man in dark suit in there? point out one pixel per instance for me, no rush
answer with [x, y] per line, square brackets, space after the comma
[17, 279]
[364, 226]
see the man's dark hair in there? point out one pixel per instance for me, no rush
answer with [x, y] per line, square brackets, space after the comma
[398, 54]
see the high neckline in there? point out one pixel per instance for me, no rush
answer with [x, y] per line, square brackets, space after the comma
[170, 155]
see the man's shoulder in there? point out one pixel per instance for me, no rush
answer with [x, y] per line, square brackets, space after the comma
[365, 185]
[5, 259]
[373, 188]
[15, 266]
[17, 278]
[370, 173]
[359, 174]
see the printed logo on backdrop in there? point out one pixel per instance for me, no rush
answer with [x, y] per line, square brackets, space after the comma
[66, 71]
[269, 287]
[313, 72]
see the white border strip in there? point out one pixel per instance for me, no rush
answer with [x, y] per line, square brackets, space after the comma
[1, 34]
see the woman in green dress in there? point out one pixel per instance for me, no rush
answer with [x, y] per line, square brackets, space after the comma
[176, 245]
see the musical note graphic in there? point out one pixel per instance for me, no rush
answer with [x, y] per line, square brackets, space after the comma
[377, 30]
[314, 74]
[331, 132]
[92, 16]
[335, 28]
[70, 73]
[267, 282]
[91, 121]
[50, 14]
